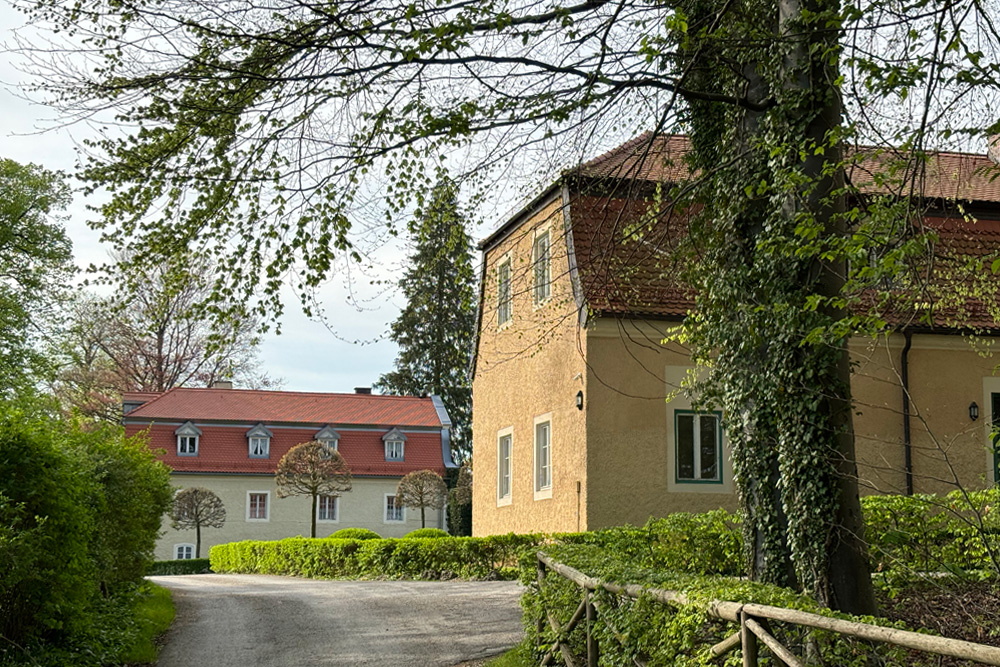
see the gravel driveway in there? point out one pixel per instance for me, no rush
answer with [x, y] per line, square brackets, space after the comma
[226, 620]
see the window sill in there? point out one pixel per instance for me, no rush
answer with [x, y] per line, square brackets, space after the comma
[505, 501]
[544, 494]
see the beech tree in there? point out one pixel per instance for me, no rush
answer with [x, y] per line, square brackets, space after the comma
[195, 507]
[437, 328]
[312, 469]
[258, 131]
[422, 489]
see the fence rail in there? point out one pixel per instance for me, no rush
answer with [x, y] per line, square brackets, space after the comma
[754, 625]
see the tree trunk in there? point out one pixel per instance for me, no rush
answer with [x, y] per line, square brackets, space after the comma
[312, 531]
[423, 523]
[197, 540]
[811, 69]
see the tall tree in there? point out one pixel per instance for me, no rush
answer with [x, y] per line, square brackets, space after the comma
[436, 330]
[35, 266]
[153, 340]
[422, 489]
[264, 130]
[312, 469]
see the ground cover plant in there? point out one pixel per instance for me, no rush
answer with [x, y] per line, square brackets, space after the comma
[184, 566]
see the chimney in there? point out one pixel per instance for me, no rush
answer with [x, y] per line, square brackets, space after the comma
[362, 390]
[222, 384]
[993, 148]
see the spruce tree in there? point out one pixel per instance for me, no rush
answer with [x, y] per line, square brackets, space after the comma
[436, 330]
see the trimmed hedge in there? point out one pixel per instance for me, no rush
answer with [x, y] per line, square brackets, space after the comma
[162, 568]
[330, 558]
[426, 533]
[356, 534]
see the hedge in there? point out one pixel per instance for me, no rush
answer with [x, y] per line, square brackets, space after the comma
[426, 533]
[657, 634]
[185, 566]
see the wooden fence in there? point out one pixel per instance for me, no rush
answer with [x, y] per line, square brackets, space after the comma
[754, 626]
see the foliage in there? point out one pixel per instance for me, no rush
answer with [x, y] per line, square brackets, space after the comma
[519, 656]
[495, 556]
[35, 262]
[151, 336]
[195, 507]
[81, 511]
[655, 633]
[162, 568]
[460, 500]
[422, 489]
[436, 329]
[154, 612]
[312, 469]
[426, 533]
[355, 534]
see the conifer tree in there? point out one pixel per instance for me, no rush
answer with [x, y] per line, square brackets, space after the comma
[436, 329]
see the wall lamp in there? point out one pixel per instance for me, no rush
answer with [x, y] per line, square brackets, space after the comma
[579, 400]
[973, 411]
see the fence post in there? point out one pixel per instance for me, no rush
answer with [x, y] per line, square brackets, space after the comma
[593, 652]
[748, 640]
[540, 576]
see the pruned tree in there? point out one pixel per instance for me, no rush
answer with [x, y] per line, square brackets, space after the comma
[197, 507]
[312, 469]
[436, 329]
[422, 489]
[35, 266]
[155, 340]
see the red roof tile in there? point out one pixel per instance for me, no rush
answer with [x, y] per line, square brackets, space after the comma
[286, 407]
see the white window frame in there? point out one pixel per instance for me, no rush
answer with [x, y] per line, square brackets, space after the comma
[181, 445]
[267, 506]
[265, 447]
[183, 545]
[505, 498]
[336, 509]
[541, 288]
[391, 446]
[385, 510]
[696, 448]
[542, 465]
[505, 306]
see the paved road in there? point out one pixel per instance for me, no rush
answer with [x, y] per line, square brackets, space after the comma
[261, 621]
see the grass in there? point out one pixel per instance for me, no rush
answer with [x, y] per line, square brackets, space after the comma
[154, 613]
[519, 656]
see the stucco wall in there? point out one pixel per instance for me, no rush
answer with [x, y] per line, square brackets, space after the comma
[287, 517]
[526, 369]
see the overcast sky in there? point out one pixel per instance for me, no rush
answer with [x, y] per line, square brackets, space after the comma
[307, 355]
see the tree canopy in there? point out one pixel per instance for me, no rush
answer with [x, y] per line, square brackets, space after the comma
[195, 507]
[35, 265]
[436, 330]
[312, 469]
[422, 489]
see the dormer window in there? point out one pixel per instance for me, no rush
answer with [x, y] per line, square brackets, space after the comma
[329, 438]
[187, 439]
[259, 442]
[395, 442]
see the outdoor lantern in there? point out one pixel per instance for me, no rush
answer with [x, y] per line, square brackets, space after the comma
[579, 400]
[973, 411]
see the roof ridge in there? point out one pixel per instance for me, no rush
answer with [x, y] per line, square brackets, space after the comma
[302, 393]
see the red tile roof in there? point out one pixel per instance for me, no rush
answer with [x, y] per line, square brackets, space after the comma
[245, 405]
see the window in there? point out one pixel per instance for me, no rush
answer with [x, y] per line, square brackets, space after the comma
[329, 445]
[259, 442]
[503, 293]
[543, 457]
[327, 437]
[542, 268]
[257, 505]
[187, 439]
[393, 450]
[183, 551]
[187, 445]
[504, 442]
[394, 510]
[699, 446]
[327, 508]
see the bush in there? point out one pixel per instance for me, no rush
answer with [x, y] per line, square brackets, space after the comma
[426, 533]
[356, 534]
[185, 566]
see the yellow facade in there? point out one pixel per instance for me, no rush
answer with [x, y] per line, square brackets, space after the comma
[613, 462]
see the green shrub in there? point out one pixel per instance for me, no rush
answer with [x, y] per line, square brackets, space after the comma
[356, 534]
[426, 533]
[185, 566]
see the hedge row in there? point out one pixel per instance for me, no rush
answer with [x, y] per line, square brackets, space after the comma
[185, 566]
[652, 633]
[469, 557]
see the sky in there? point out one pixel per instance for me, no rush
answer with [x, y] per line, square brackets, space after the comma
[308, 356]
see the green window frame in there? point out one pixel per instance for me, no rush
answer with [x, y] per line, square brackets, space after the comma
[697, 447]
